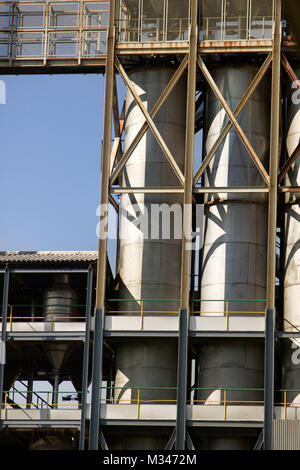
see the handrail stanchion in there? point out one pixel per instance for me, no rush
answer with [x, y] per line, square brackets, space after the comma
[227, 316]
[138, 405]
[284, 401]
[142, 315]
[224, 405]
[47, 413]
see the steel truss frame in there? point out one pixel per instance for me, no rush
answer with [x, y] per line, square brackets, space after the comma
[113, 161]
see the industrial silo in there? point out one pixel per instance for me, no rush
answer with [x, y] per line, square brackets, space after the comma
[60, 305]
[291, 322]
[235, 239]
[150, 268]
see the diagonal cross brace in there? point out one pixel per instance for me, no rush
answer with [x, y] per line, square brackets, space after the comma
[291, 160]
[233, 120]
[247, 95]
[150, 124]
[116, 152]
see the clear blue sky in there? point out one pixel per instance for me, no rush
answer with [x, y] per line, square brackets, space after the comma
[50, 131]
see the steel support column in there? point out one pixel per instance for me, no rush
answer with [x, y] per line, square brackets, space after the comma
[3, 333]
[272, 225]
[187, 227]
[102, 248]
[86, 356]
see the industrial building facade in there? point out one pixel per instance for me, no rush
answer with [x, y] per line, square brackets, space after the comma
[188, 346]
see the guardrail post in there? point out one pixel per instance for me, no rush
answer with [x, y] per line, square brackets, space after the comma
[225, 405]
[284, 401]
[227, 316]
[47, 412]
[138, 405]
[142, 315]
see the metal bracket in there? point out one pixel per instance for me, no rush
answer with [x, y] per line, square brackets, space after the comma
[171, 441]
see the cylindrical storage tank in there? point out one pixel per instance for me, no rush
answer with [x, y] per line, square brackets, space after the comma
[150, 268]
[60, 305]
[60, 301]
[291, 322]
[234, 252]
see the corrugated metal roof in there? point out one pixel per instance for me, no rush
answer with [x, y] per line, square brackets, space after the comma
[47, 256]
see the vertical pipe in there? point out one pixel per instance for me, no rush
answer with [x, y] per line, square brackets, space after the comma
[55, 390]
[102, 248]
[187, 225]
[3, 331]
[86, 356]
[272, 224]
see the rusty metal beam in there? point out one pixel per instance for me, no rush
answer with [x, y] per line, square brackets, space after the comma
[290, 71]
[287, 166]
[150, 122]
[247, 95]
[289, 189]
[234, 121]
[272, 235]
[114, 203]
[116, 152]
[97, 366]
[172, 83]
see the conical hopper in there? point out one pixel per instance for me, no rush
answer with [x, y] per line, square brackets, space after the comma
[57, 354]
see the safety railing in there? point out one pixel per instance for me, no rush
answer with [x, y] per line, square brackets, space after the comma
[217, 396]
[53, 29]
[23, 394]
[137, 307]
[139, 21]
[236, 28]
[23, 313]
[141, 309]
[230, 308]
[113, 396]
[226, 396]
[152, 30]
[49, 401]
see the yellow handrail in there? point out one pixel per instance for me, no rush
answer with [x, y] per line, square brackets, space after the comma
[224, 405]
